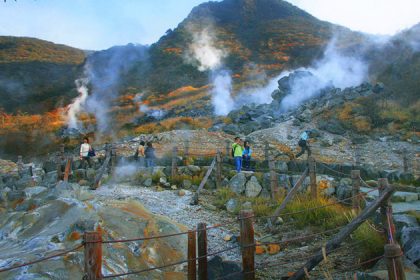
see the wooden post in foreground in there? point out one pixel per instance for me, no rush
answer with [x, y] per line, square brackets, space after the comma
[274, 182]
[174, 161]
[355, 177]
[405, 161]
[248, 244]
[312, 177]
[67, 170]
[336, 240]
[218, 169]
[93, 255]
[393, 261]
[202, 251]
[192, 262]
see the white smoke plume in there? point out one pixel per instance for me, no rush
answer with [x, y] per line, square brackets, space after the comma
[78, 103]
[204, 54]
[334, 69]
[202, 51]
[221, 97]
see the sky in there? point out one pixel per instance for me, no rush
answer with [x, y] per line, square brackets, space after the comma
[100, 24]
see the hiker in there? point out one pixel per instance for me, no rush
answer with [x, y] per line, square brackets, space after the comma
[246, 156]
[150, 156]
[237, 151]
[303, 143]
[85, 148]
[139, 156]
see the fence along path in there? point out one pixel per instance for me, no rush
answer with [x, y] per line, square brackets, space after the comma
[197, 241]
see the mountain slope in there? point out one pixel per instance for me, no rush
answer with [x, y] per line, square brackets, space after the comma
[37, 76]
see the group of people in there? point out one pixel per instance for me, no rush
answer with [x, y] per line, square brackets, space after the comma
[145, 154]
[242, 152]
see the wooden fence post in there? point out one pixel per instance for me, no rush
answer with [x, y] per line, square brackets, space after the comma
[312, 177]
[393, 261]
[20, 165]
[113, 157]
[67, 170]
[174, 161]
[202, 251]
[186, 151]
[218, 169]
[274, 183]
[355, 177]
[247, 244]
[192, 262]
[93, 255]
[62, 152]
[59, 171]
[405, 161]
[266, 152]
[228, 149]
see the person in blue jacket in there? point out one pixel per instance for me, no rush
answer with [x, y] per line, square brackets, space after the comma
[303, 143]
[246, 155]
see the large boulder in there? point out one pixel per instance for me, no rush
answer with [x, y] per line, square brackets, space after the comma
[237, 183]
[410, 241]
[253, 187]
[343, 191]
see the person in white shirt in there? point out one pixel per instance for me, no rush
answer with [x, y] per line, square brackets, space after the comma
[84, 152]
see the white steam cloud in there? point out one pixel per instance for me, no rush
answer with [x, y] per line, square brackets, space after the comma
[334, 69]
[222, 100]
[202, 51]
[78, 103]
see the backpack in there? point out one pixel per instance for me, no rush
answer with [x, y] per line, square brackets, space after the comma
[91, 152]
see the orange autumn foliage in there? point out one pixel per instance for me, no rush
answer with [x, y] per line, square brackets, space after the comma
[75, 235]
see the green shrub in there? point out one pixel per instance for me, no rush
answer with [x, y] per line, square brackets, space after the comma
[222, 196]
[370, 243]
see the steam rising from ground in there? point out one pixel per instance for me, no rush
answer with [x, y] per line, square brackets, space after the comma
[334, 69]
[222, 100]
[203, 53]
[78, 103]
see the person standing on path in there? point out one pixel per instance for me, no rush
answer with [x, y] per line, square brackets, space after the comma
[84, 153]
[140, 154]
[237, 151]
[246, 156]
[150, 156]
[303, 143]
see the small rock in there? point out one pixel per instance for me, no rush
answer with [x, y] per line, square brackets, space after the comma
[227, 237]
[247, 206]
[232, 205]
[162, 180]
[148, 182]
[181, 192]
[209, 206]
[173, 187]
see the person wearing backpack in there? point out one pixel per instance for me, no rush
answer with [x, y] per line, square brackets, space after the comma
[246, 156]
[303, 143]
[237, 151]
[150, 156]
[85, 151]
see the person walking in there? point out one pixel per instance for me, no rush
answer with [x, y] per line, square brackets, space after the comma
[246, 156]
[150, 156]
[85, 148]
[237, 151]
[303, 143]
[140, 154]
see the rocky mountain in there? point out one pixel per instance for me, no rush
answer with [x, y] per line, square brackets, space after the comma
[37, 76]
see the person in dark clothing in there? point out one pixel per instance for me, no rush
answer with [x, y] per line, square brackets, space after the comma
[246, 155]
[303, 143]
[150, 156]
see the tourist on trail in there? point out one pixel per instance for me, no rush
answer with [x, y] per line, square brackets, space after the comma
[140, 154]
[237, 150]
[84, 153]
[303, 143]
[246, 156]
[150, 156]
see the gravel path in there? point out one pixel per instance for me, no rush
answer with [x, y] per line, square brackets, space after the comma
[177, 208]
